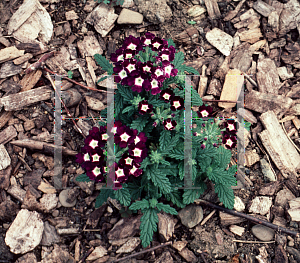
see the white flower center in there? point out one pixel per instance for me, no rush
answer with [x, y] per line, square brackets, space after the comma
[168, 69]
[169, 125]
[95, 157]
[145, 107]
[128, 56]
[137, 140]
[104, 137]
[121, 57]
[114, 130]
[93, 143]
[147, 41]
[139, 81]
[131, 67]
[123, 74]
[137, 152]
[176, 104]
[165, 57]
[96, 171]
[86, 157]
[204, 113]
[156, 45]
[120, 173]
[128, 160]
[167, 96]
[132, 46]
[125, 137]
[229, 142]
[158, 72]
[146, 68]
[154, 83]
[231, 127]
[132, 171]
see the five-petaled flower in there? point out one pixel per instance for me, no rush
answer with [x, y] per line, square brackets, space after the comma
[205, 111]
[169, 124]
[229, 141]
[144, 107]
[177, 103]
[231, 127]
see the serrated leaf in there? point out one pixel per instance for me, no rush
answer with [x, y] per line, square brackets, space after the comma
[177, 154]
[172, 144]
[188, 69]
[118, 103]
[125, 92]
[164, 139]
[226, 195]
[129, 108]
[143, 204]
[180, 93]
[221, 176]
[104, 64]
[171, 42]
[82, 178]
[223, 157]
[123, 196]
[144, 163]
[139, 124]
[103, 78]
[166, 208]
[190, 195]
[175, 198]
[134, 189]
[158, 179]
[148, 225]
[196, 99]
[102, 197]
[178, 60]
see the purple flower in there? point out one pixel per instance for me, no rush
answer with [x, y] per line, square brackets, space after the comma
[147, 40]
[124, 136]
[144, 107]
[121, 173]
[132, 43]
[169, 124]
[139, 151]
[155, 86]
[145, 67]
[169, 69]
[204, 111]
[135, 171]
[229, 141]
[128, 54]
[158, 44]
[130, 66]
[141, 137]
[165, 55]
[203, 146]
[121, 74]
[118, 56]
[231, 127]
[126, 161]
[177, 103]
[95, 173]
[158, 73]
[138, 83]
[167, 95]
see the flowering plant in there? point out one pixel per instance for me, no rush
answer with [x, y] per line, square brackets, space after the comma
[111, 2]
[149, 136]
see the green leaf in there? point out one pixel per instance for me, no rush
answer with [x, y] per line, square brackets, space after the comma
[102, 197]
[226, 195]
[127, 109]
[196, 99]
[164, 139]
[144, 163]
[180, 93]
[177, 154]
[103, 78]
[223, 157]
[153, 202]
[190, 195]
[139, 123]
[172, 144]
[175, 198]
[135, 188]
[158, 179]
[178, 60]
[181, 170]
[104, 63]
[125, 92]
[82, 178]
[171, 42]
[148, 225]
[166, 208]
[192, 22]
[221, 176]
[247, 125]
[188, 69]
[123, 196]
[143, 204]
[118, 103]
[70, 74]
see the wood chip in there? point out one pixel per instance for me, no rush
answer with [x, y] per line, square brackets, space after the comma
[232, 87]
[20, 100]
[263, 8]
[89, 46]
[23, 59]
[237, 230]
[4, 158]
[46, 188]
[220, 40]
[9, 69]
[7, 134]
[286, 158]
[10, 53]
[251, 36]
[25, 232]
[212, 8]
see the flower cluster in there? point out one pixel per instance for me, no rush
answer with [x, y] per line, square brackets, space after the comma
[229, 138]
[146, 75]
[92, 157]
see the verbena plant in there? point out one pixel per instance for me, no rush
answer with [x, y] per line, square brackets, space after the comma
[149, 132]
[111, 2]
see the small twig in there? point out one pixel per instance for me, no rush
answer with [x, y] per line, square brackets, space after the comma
[248, 217]
[86, 255]
[202, 256]
[77, 83]
[229, 101]
[253, 242]
[208, 217]
[24, 162]
[62, 102]
[40, 63]
[142, 252]
[250, 79]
